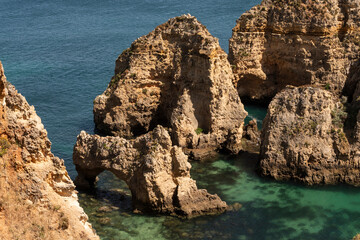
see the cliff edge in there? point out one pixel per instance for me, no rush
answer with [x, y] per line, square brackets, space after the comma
[286, 42]
[37, 197]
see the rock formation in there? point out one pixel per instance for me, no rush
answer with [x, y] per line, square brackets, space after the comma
[286, 42]
[303, 138]
[37, 197]
[251, 137]
[157, 173]
[179, 77]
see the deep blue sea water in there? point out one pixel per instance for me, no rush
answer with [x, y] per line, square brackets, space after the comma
[60, 55]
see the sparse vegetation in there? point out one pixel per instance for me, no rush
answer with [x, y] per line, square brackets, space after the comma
[243, 52]
[114, 81]
[199, 131]
[106, 146]
[4, 146]
[338, 117]
[56, 207]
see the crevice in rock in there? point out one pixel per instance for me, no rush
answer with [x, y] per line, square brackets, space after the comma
[343, 5]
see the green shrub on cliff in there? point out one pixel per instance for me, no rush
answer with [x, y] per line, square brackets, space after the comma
[199, 131]
[4, 145]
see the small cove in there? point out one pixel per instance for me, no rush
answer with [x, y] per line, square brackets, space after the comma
[270, 209]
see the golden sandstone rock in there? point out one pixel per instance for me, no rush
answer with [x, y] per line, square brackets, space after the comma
[179, 77]
[303, 139]
[37, 197]
[175, 77]
[157, 173]
[285, 42]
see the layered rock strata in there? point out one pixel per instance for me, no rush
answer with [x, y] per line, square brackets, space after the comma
[37, 197]
[157, 173]
[179, 77]
[286, 42]
[303, 138]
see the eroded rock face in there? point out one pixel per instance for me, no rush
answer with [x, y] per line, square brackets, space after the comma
[37, 197]
[157, 173]
[303, 139]
[251, 137]
[352, 92]
[179, 77]
[279, 43]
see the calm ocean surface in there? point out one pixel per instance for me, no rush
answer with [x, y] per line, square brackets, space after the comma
[60, 55]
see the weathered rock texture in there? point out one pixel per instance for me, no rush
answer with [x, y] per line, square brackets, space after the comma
[157, 173]
[37, 196]
[352, 92]
[179, 77]
[286, 42]
[303, 139]
[251, 137]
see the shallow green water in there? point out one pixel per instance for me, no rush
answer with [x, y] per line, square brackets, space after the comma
[270, 210]
[255, 112]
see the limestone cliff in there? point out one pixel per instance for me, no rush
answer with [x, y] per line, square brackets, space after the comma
[303, 138]
[179, 77]
[37, 197]
[286, 42]
[157, 173]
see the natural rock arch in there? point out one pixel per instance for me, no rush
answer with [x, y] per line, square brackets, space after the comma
[157, 173]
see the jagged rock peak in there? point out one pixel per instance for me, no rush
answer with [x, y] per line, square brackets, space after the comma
[179, 77]
[285, 42]
[304, 138]
[157, 173]
[37, 196]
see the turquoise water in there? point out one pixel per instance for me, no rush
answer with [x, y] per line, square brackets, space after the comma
[61, 54]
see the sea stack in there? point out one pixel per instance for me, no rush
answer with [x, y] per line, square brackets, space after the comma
[177, 76]
[286, 42]
[37, 197]
[308, 136]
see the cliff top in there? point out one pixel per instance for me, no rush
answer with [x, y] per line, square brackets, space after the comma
[316, 17]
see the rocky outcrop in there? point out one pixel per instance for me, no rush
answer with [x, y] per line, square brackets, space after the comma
[303, 139]
[179, 77]
[251, 137]
[37, 197]
[157, 173]
[286, 42]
